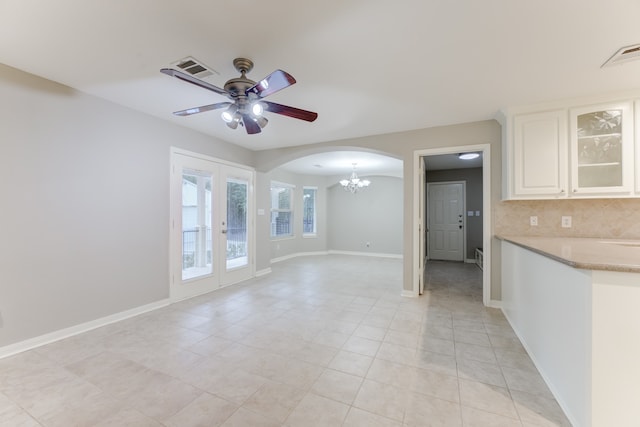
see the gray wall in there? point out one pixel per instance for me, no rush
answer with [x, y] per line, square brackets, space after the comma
[373, 215]
[473, 201]
[268, 248]
[84, 222]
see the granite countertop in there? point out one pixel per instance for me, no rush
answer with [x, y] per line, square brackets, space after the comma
[583, 252]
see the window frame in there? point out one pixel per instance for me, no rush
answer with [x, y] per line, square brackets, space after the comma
[272, 210]
[313, 233]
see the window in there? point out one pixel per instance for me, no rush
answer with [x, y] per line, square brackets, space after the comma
[281, 210]
[309, 211]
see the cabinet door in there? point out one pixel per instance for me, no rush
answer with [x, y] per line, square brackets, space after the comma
[602, 149]
[540, 154]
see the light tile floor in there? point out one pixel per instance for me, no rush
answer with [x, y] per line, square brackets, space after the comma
[321, 341]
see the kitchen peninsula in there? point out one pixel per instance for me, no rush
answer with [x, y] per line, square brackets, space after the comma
[575, 305]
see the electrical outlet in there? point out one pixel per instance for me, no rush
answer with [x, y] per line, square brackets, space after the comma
[566, 222]
[533, 221]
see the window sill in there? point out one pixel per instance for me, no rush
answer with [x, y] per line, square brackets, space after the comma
[309, 236]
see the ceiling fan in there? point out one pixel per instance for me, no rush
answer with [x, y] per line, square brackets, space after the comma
[247, 97]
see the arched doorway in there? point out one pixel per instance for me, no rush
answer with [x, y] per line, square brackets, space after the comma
[366, 223]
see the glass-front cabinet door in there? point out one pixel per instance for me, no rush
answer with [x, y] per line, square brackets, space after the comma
[602, 149]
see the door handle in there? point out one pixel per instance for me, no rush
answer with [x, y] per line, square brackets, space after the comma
[224, 231]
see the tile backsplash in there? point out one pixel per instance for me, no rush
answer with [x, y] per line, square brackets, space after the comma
[604, 218]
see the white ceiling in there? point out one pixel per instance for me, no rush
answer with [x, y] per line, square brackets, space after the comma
[341, 163]
[451, 161]
[366, 66]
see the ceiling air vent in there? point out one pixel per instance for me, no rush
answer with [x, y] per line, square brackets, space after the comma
[626, 54]
[194, 67]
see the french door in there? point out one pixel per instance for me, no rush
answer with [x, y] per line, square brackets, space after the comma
[211, 225]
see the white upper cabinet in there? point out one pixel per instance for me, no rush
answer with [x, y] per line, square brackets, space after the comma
[602, 142]
[572, 151]
[540, 154]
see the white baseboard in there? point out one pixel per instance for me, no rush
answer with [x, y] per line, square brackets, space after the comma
[494, 303]
[335, 252]
[295, 255]
[470, 261]
[373, 254]
[263, 272]
[41, 340]
[409, 294]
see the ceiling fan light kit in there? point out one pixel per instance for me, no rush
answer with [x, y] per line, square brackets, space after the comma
[248, 105]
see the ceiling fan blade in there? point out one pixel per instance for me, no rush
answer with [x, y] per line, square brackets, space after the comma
[285, 110]
[274, 82]
[190, 79]
[250, 125]
[196, 110]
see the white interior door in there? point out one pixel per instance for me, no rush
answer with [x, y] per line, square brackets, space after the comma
[211, 226]
[446, 221]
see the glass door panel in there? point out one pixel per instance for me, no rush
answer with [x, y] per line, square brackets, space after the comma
[197, 255]
[602, 149]
[236, 227]
[236, 232]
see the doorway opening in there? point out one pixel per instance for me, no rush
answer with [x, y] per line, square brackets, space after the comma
[478, 215]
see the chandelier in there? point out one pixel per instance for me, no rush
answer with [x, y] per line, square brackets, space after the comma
[353, 184]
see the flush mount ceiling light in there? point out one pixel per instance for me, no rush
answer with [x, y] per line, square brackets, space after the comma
[354, 184]
[247, 97]
[468, 156]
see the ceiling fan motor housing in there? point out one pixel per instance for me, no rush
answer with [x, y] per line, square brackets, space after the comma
[237, 87]
[243, 65]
